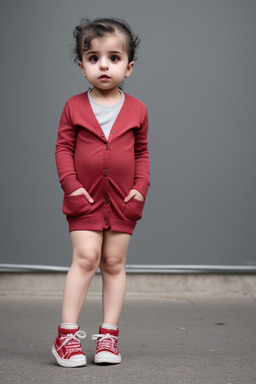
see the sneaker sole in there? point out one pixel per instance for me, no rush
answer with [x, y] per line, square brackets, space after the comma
[67, 363]
[107, 360]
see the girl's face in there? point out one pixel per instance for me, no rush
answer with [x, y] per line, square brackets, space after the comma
[105, 64]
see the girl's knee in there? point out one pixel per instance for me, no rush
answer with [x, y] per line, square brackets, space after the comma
[112, 264]
[87, 258]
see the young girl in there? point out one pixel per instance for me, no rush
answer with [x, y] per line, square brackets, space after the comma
[103, 166]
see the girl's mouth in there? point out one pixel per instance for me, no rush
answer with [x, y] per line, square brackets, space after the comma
[104, 77]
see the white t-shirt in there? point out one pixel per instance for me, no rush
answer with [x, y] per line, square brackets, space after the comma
[106, 114]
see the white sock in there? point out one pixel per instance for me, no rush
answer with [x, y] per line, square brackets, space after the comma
[109, 326]
[69, 325]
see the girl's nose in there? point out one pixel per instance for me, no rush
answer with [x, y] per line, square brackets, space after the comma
[103, 64]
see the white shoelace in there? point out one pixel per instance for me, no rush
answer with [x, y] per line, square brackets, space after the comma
[74, 338]
[106, 340]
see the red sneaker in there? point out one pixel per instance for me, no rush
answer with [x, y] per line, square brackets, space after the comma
[67, 349]
[106, 349]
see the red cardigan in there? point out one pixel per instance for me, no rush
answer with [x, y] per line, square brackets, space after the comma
[107, 169]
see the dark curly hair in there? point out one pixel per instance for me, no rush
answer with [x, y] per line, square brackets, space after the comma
[88, 30]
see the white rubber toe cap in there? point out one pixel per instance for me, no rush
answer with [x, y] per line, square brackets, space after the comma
[107, 357]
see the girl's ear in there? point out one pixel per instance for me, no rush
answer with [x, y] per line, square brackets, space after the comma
[129, 69]
[80, 65]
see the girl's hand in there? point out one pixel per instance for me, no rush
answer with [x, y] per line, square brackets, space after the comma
[134, 194]
[82, 191]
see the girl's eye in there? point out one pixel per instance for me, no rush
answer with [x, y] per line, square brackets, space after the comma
[114, 58]
[94, 59]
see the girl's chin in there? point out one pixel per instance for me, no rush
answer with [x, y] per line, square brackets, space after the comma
[105, 88]
[105, 84]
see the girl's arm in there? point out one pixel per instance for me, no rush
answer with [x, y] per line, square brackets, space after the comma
[64, 153]
[142, 171]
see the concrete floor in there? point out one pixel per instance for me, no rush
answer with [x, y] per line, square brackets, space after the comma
[187, 338]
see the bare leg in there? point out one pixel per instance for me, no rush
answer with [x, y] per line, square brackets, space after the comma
[112, 267]
[87, 247]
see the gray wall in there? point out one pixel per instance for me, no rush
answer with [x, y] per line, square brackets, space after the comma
[195, 72]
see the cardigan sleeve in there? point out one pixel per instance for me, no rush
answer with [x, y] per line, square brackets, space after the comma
[64, 153]
[142, 170]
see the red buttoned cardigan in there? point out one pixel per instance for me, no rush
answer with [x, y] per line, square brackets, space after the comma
[107, 169]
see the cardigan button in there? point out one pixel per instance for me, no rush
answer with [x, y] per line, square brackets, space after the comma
[106, 200]
[112, 131]
[106, 147]
[106, 222]
[105, 171]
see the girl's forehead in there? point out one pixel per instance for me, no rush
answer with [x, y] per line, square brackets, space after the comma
[109, 42]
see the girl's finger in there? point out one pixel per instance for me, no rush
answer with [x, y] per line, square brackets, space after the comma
[88, 197]
[130, 196]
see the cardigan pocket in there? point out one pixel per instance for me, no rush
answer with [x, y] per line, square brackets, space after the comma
[75, 206]
[133, 210]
